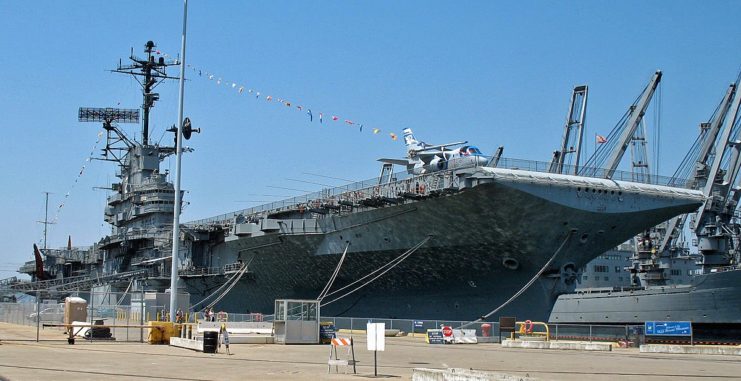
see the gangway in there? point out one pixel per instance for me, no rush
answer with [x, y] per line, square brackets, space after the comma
[76, 283]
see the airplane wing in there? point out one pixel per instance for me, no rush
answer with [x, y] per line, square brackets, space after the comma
[403, 162]
[438, 146]
[432, 153]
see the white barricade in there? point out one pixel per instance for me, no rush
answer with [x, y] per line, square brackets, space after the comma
[337, 361]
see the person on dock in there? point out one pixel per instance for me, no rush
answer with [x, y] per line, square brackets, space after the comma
[225, 338]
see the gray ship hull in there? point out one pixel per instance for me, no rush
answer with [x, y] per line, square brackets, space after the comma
[713, 298]
[487, 242]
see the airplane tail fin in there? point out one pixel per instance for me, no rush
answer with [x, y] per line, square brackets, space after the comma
[40, 274]
[410, 141]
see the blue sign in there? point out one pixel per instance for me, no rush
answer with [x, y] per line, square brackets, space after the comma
[668, 328]
[327, 332]
[435, 336]
[418, 323]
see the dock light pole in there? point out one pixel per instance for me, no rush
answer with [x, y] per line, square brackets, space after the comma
[178, 155]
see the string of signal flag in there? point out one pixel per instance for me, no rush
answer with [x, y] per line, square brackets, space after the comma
[257, 95]
[241, 89]
[74, 184]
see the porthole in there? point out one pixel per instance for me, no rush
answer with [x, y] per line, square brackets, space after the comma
[510, 263]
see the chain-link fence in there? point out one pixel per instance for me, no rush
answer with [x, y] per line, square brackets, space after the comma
[27, 314]
[126, 314]
[410, 325]
[123, 314]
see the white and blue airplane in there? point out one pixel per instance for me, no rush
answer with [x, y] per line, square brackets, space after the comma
[426, 158]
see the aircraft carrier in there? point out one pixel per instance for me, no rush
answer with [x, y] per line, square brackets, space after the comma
[452, 235]
[711, 299]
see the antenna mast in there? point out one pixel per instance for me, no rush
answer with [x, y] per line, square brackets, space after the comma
[149, 73]
[46, 217]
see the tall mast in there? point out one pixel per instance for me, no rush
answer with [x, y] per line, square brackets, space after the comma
[46, 222]
[149, 97]
[46, 216]
[149, 72]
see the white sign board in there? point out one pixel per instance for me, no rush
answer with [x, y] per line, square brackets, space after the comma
[376, 336]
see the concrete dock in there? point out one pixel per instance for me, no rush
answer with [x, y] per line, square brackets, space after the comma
[22, 358]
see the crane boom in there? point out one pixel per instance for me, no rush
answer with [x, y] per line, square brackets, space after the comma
[573, 131]
[636, 115]
[720, 148]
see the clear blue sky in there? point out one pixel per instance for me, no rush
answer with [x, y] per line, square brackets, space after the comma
[493, 73]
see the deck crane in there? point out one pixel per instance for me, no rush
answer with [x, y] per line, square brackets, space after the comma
[663, 241]
[634, 119]
[715, 161]
[709, 133]
[622, 134]
[714, 225]
[572, 134]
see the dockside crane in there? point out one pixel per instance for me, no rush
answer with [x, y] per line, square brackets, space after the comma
[714, 161]
[571, 143]
[702, 161]
[714, 225]
[609, 155]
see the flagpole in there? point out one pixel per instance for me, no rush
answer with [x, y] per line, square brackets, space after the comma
[594, 147]
[178, 154]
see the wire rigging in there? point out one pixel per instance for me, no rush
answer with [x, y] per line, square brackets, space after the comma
[386, 268]
[334, 275]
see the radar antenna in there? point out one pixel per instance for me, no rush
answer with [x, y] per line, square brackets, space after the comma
[110, 118]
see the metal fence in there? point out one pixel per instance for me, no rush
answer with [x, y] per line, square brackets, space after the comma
[111, 309]
[408, 325]
[577, 332]
[597, 332]
[121, 310]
